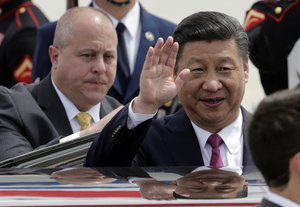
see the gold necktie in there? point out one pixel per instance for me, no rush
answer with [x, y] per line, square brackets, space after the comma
[84, 120]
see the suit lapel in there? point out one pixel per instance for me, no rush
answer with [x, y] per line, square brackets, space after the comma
[183, 136]
[48, 100]
[247, 160]
[105, 107]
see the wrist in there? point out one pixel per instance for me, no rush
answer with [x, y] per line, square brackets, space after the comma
[139, 106]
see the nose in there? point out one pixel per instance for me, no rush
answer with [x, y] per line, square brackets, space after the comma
[99, 66]
[212, 83]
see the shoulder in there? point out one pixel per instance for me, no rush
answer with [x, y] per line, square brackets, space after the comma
[262, 10]
[258, 13]
[48, 27]
[29, 15]
[45, 33]
[108, 100]
[20, 91]
[156, 20]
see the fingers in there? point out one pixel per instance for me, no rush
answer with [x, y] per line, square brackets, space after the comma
[157, 50]
[163, 53]
[166, 50]
[171, 61]
[149, 59]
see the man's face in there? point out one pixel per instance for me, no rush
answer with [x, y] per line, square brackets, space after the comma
[81, 176]
[211, 184]
[85, 69]
[214, 92]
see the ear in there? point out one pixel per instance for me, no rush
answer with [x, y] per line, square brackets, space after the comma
[53, 54]
[295, 163]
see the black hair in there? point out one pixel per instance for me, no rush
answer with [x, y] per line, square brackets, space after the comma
[211, 26]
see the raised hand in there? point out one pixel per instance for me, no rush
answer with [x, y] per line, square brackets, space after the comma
[157, 84]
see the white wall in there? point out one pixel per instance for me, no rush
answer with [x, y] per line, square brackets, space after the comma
[176, 10]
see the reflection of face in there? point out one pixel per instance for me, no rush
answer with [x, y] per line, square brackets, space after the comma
[214, 92]
[83, 176]
[85, 69]
[211, 183]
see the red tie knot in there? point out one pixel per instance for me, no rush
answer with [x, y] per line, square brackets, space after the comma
[215, 140]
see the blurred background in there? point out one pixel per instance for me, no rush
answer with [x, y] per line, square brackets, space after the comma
[175, 11]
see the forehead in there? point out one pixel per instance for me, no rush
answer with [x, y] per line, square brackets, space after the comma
[202, 51]
[94, 30]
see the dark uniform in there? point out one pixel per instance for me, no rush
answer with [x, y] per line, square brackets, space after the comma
[273, 28]
[19, 20]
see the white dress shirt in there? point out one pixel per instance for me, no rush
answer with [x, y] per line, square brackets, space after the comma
[72, 111]
[231, 150]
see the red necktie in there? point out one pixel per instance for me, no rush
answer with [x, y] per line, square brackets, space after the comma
[215, 141]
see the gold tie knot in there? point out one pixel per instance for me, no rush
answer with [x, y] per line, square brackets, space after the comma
[84, 120]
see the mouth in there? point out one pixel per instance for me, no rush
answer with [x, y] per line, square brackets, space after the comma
[212, 102]
[97, 82]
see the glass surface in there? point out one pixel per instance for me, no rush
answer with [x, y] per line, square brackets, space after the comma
[126, 186]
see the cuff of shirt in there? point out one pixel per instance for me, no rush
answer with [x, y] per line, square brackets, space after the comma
[135, 119]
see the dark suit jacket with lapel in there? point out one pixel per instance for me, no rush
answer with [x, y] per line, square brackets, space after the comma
[32, 115]
[153, 27]
[167, 141]
[268, 203]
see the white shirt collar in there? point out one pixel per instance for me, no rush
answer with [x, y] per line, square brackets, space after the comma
[131, 20]
[232, 149]
[230, 134]
[71, 109]
[280, 200]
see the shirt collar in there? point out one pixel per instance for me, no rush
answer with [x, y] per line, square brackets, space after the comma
[231, 134]
[280, 200]
[71, 109]
[131, 19]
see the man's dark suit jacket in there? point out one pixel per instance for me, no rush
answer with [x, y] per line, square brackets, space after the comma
[167, 141]
[32, 115]
[153, 27]
[268, 203]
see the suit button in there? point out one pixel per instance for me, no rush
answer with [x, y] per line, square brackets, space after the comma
[278, 10]
[22, 10]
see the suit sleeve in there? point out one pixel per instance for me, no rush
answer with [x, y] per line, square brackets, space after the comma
[12, 141]
[117, 145]
[23, 125]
